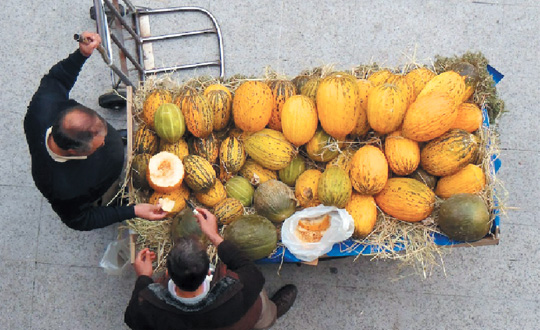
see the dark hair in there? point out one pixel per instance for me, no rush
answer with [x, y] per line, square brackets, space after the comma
[188, 263]
[78, 135]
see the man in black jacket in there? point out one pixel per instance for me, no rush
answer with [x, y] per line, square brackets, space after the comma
[232, 298]
[76, 155]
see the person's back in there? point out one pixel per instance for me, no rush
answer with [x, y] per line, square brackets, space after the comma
[233, 299]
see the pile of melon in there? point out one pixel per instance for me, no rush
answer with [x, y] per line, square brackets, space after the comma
[407, 146]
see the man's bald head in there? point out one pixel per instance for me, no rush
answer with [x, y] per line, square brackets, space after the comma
[75, 128]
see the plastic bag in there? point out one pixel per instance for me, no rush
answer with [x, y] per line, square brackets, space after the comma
[341, 228]
[116, 258]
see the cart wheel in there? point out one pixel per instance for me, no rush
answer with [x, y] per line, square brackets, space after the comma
[113, 100]
[122, 12]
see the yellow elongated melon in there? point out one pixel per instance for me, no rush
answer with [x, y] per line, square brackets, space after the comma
[470, 179]
[369, 170]
[299, 119]
[406, 199]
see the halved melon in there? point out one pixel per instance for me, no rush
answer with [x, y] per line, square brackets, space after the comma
[165, 172]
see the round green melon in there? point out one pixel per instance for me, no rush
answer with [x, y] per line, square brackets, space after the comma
[239, 187]
[274, 200]
[289, 174]
[139, 165]
[253, 234]
[185, 224]
[464, 217]
[169, 122]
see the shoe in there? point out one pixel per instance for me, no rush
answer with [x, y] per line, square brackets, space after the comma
[284, 298]
[123, 135]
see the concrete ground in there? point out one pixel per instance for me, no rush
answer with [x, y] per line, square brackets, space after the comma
[50, 273]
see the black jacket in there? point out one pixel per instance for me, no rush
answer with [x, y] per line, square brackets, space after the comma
[232, 302]
[72, 187]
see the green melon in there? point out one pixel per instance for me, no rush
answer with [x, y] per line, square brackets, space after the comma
[239, 187]
[464, 217]
[253, 234]
[169, 122]
[274, 200]
[185, 224]
[289, 174]
[335, 188]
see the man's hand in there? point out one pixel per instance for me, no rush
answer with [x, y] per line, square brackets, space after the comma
[91, 42]
[208, 223]
[143, 262]
[150, 212]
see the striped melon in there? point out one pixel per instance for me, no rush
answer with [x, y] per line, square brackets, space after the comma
[177, 197]
[146, 140]
[387, 104]
[299, 119]
[406, 199]
[448, 82]
[270, 149]
[200, 174]
[252, 106]
[322, 147]
[179, 148]
[139, 165]
[469, 117]
[152, 102]
[228, 210]
[306, 188]
[402, 154]
[255, 173]
[281, 91]
[449, 153]
[418, 78]
[212, 196]
[343, 160]
[240, 188]
[310, 88]
[220, 101]
[470, 179]
[207, 147]
[369, 170]
[289, 174]
[334, 187]
[232, 155]
[197, 112]
[379, 77]
[430, 116]
[363, 210]
[405, 86]
[169, 122]
[338, 105]
[362, 123]
[300, 80]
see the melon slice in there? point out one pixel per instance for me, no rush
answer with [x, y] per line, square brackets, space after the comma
[171, 202]
[167, 205]
[165, 172]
